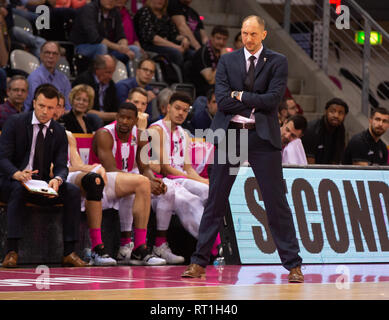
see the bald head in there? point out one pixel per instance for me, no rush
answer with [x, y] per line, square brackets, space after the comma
[253, 33]
[104, 66]
[259, 20]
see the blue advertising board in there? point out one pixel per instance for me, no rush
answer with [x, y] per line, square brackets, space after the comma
[340, 215]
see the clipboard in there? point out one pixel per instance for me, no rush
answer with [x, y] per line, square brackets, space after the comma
[39, 187]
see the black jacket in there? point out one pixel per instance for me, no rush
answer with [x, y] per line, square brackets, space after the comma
[110, 100]
[90, 26]
[15, 146]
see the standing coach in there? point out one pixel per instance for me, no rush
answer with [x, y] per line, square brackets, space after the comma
[250, 83]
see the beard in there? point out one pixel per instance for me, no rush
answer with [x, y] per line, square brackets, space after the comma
[377, 132]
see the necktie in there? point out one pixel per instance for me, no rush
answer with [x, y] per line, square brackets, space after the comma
[249, 81]
[39, 152]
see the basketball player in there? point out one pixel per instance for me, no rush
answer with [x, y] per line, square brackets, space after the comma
[118, 146]
[91, 180]
[171, 144]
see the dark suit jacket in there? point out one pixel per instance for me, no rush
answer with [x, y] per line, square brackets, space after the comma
[110, 100]
[15, 146]
[271, 75]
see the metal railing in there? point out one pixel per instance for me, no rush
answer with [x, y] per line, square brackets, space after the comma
[335, 50]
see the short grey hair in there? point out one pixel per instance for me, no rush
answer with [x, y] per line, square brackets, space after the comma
[164, 97]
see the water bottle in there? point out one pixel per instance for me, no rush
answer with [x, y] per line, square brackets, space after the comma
[219, 262]
[87, 254]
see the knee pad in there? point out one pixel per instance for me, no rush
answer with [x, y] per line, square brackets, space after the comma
[94, 191]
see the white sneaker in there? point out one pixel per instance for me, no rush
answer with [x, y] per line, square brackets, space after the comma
[124, 254]
[141, 257]
[163, 251]
[100, 258]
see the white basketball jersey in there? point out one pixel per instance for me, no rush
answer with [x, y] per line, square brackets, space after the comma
[174, 144]
[128, 149]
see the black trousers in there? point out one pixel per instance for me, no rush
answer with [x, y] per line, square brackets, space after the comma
[16, 195]
[265, 161]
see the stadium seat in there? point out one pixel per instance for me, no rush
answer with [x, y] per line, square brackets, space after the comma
[186, 87]
[63, 66]
[158, 86]
[23, 23]
[120, 72]
[24, 61]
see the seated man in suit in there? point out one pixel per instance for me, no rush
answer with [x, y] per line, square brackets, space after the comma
[100, 79]
[29, 144]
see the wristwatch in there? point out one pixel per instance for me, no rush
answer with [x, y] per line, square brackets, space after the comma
[235, 94]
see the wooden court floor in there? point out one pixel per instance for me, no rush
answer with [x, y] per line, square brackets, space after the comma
[248, 282]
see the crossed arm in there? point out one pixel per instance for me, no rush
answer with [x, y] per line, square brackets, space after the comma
[265, 102]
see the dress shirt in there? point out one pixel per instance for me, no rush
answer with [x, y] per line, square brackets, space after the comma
[102, 89]
[247, 55]
[35, 122]
[40, 76]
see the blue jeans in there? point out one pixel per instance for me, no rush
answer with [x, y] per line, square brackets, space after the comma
[172, 54]
[27, 38]
[91, 50]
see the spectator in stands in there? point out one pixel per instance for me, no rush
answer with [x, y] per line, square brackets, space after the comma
[19, 8]
[238, 41]
[100, 79]
[188, 22]
[324, 139]
[30, 143]
[91, 179]
[282, 113]
[205, 110]
[47, 73]
[287, 108]
[366, 148]
[163, 101]
[138, 97]
[16, 94]
[98, 30]
[12, 33]
[75, 4]
[81, 99]
[5, 41]
[205, 60]
[3, 85]
[292, 148]
[60, 17]
[144, 75]
[128, 25]
[157, 32]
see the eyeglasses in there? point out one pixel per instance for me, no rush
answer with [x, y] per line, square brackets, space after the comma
[147, 70]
